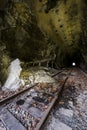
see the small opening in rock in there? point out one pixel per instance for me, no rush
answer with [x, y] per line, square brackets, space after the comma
[65, 12]
[59, 20]
[46, 11]
[61, 26]
[65, 38]
[56, 11]
[40, 0]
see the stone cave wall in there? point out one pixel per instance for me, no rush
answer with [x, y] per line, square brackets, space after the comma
[34, 30]
[20, 35]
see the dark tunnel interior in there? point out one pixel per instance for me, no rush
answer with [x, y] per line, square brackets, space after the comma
[73, 60]
[43, 32]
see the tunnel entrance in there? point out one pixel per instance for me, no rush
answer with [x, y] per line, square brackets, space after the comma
[73, 60]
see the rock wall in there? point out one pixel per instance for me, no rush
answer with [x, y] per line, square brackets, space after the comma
[20, 35]
[39, 29]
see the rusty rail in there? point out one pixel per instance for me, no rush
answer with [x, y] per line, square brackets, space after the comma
[15, 95]
[51, 104]
[49, 108]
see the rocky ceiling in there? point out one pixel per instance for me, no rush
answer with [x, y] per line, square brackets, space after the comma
[41, 29]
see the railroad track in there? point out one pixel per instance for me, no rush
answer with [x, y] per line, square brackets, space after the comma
[30, 107]
[8, 95]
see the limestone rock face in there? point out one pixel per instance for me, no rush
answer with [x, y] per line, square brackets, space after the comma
[3, 4]
[65, 24]
[22, 36]
[39, 29]
[4, 63]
